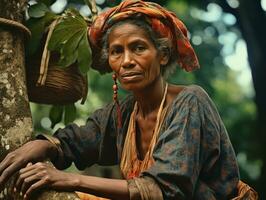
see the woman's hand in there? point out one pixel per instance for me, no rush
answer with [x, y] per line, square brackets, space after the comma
[32, 151]
[42, 175]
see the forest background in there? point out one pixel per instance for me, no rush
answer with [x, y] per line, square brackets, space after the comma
[228, 37]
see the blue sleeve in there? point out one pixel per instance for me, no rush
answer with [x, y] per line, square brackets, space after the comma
[98, 141]
[88, 144]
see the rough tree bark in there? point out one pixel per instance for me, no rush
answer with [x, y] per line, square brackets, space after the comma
[15, 115]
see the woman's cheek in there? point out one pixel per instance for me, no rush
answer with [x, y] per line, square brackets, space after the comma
[113, 64]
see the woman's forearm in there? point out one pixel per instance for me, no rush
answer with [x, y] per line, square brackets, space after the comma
[103, 187]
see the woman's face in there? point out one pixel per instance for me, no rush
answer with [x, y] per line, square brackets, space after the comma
[133, 57]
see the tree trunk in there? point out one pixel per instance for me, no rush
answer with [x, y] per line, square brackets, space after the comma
[252, 25]
[251, 22]
[15, 115]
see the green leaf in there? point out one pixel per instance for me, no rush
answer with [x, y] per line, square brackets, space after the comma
[70, 113]
[67, 38]
[70, 22]
[77, 16]
[69, 53]
[38, 10]
[60, 37]
[37, 28]
[56, 114]
[65, 30]
[72, 12]
[84, 55]
[67, 60]
[36, 36]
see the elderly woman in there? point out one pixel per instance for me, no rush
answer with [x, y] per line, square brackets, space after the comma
[168, 139]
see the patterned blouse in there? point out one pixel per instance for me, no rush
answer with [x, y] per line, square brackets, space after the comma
[194, 158]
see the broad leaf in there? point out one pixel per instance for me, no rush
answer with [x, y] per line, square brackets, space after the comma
[67, 60]
[70, 40]
[84, 55]
[37, 28]
[56, 114]
[65, 30]
[69, 50]
[38, 10]
[36, 35]
[60, 37]
[70, 113]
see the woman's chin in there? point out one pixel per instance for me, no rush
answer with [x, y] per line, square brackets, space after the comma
[131, 83]
[132, 86]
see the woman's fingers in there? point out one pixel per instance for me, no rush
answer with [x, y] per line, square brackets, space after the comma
[29, 181]
[7, 173]
[36, 176]
[14, 161]
[3, 168]
[38, 185]
[4, 164]
[30, 175]
[26, 169]
[23, 173]
[9, 166]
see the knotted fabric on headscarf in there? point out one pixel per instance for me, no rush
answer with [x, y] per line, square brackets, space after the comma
[163, 22]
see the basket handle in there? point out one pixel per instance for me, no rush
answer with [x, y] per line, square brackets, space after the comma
[46, 55]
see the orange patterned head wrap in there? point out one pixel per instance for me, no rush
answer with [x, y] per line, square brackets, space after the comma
[163, 22]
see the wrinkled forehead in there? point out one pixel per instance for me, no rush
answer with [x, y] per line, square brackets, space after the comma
[127, 30]
[130, 28]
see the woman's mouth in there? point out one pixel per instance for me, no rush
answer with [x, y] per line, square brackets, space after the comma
[131, 76]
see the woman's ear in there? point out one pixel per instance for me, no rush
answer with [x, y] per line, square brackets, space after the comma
[164, 58]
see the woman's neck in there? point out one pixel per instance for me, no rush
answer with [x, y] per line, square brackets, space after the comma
[149, 99]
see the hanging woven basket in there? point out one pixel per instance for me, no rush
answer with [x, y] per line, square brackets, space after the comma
[49, 83]
[62, 85]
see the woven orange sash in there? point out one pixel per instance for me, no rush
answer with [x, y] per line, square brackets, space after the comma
[245, 192]
[130, 165]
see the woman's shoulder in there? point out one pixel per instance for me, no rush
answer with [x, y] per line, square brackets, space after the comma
[195, 98]
[188, 92]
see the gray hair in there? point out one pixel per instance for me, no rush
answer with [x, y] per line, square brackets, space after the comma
[163, 45]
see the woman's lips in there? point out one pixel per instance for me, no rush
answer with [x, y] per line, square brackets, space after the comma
[131, 76]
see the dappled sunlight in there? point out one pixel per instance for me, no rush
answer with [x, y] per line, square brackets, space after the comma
[252, 168]
[59, 6]
[233, 3]
[233, 46]
[238, 61]
[263, 4]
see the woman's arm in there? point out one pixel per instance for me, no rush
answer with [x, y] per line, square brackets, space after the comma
[108, 188]
[42, 175]
[83, 145]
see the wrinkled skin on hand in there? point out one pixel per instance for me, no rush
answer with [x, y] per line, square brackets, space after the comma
[32, 151]
[42, 175]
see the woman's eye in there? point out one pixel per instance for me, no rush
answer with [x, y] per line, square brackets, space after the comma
[140, 48]
[115, 51]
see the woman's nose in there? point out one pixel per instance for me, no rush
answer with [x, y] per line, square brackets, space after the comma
[127, 61]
